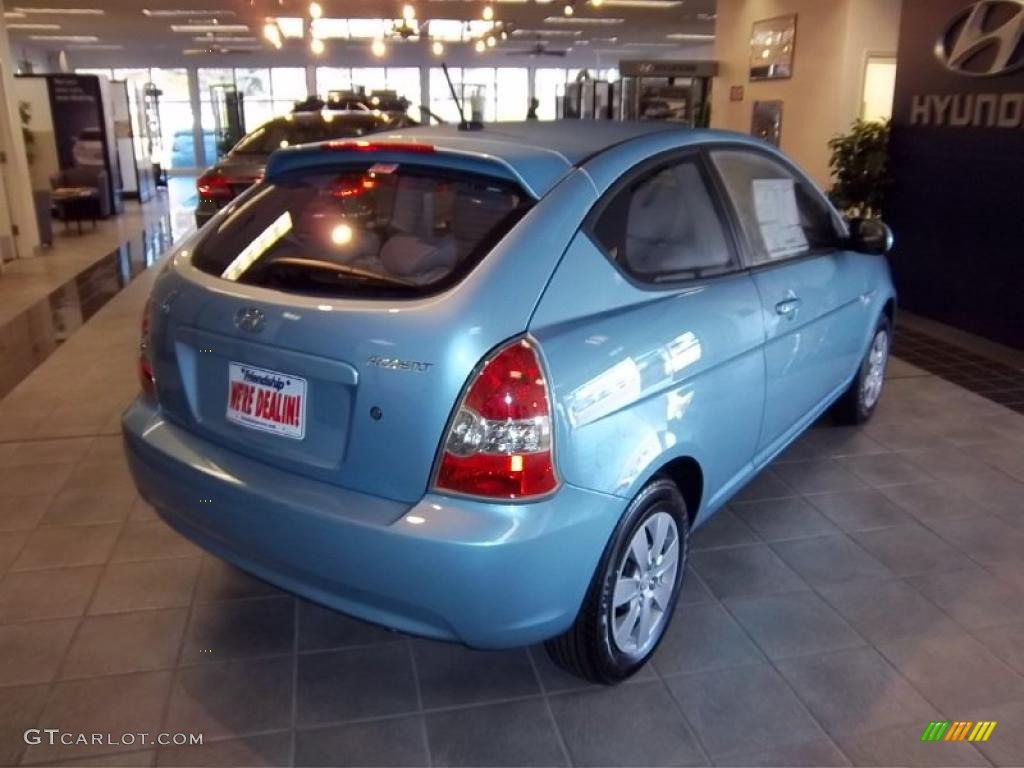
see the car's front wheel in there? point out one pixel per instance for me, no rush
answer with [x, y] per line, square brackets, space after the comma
[634, 591]
[858, 404]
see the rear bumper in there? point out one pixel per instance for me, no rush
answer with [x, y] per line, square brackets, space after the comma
[487, 575]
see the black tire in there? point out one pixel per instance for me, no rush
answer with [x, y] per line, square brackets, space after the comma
[853, 407]
[588, 649]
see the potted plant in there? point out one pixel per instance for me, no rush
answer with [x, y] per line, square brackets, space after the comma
[859, 163]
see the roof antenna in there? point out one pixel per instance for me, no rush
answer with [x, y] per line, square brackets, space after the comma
[464, 124]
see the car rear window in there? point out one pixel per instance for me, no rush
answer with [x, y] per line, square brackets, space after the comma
[287, 133]
[368, 230]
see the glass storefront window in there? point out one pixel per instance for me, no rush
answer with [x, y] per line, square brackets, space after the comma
[253, 83]
[548, 85]
[441, 103]
[176, 118]
[288, 84]
[512, 93]
[209, 77]
[333, 79]
[405, 81]
[369, 78]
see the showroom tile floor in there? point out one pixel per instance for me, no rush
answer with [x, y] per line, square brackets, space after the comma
[870, 581]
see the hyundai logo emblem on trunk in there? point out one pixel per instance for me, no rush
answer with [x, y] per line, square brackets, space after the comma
[984, 40]
[250, 319]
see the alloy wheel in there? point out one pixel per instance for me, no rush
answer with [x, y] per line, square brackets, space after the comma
[878, 357]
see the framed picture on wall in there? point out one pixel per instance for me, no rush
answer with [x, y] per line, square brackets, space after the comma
[772, 42]
[766, 122]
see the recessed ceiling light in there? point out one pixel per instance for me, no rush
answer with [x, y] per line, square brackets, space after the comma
[663, 4]
[65, 38]
[33, 26]
[62, 11]
[13, 15]
[688, 36]
[171, 13]
[215, 39]
[596, 20]
[97, 47]
[546, 33]
[209, 28]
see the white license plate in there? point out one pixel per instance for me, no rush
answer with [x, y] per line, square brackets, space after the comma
[269, 401]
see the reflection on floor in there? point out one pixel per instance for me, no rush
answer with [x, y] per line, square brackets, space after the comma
[868, 582]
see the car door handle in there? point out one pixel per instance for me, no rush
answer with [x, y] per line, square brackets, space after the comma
[787, 307]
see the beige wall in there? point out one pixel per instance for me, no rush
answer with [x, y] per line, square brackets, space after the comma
[833, 41]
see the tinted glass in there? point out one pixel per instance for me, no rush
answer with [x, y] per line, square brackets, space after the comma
[665, 226]
[782, 216]
[282, 132]
[364, 230]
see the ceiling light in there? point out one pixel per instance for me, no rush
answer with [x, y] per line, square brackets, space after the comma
[225, 28]
[183, 12]
[272, 34]
[688, 36]
[13, 15]
[96, 47]
[224, 39]
[377, 48]
[568, 9]
[603, 20]
[65, 38]
[33, 26]
[662, 4]
[546, 33]
[488, 12]
[437, 48]
[479, 46]
[491, 41]
[408, 13]
[293, 27]
[341, 234]
[316, 45]
[62, 11]
[504, 35]
[315, 10]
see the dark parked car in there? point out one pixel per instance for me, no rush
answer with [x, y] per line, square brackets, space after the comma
[244, 164]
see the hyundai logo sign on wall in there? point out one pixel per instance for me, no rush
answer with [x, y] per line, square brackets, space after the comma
[986, 39]
[250, 319]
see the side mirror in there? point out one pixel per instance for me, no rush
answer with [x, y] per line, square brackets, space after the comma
[871, 236]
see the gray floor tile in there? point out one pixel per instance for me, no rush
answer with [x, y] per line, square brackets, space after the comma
[781, 519]
[19, 710]
[125, 642]
[398, 741]
[32, 652]
[694, 590]
[723, 529]
[240, 628]
[889, 610]
[219, 580]
[145, 758]
[53, 594]
[932, 500]
[63, 451]
[908, 549]
[818, 476]
[1009, 572]
[904, 436]
[830, 560]
[884, 469]
[1005, 642]
[1006, 744]
[793, 624]
[834, 441]
[739, 711]
[955, 673]
[322, 629]
[996, 491]
[451, 675]
[90, 506]
[67, 546]
[34, 480]
[902, 746]
[11, 545]
[740, 571]
[861, 510]
[855, 691]
[812, 754]
[232, 698]
[519, 733]
[630, 725]
[112, 705]
[983, 538]
[972, 597]
[151, 541]
[268, 749]
[765, 485]
[18, 513]
[139, 586]
[704, 637]
[353, 684]
[91, 475]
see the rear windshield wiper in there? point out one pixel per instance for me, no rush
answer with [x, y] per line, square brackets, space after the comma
[319, 268]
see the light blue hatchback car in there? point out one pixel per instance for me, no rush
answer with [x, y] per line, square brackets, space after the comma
[480, 385]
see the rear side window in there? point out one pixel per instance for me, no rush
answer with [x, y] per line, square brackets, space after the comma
[664, 226]
[375, 230]
[782, 216]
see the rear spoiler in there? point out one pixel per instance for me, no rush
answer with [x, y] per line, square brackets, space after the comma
[316, 156]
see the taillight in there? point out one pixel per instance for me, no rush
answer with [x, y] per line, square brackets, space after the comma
[499, 444]
[213, 185]
[408, 147]
[146, 378]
